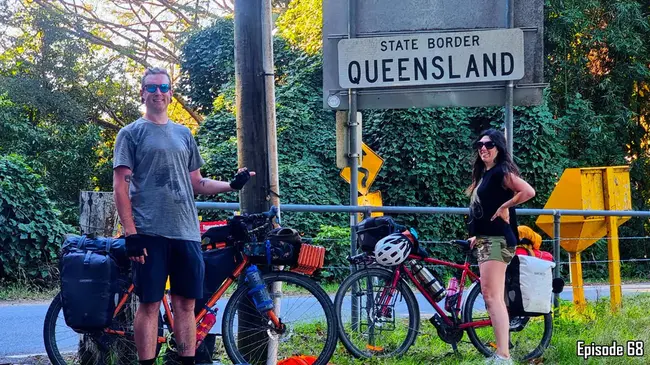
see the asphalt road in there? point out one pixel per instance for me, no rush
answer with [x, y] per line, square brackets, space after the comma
[21, 324]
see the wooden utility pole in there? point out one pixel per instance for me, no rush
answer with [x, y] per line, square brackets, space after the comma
[97, 213]
[255, 137]
[98, 218]
[252, 143]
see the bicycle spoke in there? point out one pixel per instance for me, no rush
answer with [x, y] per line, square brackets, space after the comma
[380, 328]
[529, 336]
[305, 329]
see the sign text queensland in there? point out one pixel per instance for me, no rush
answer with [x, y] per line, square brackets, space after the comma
[431, 59]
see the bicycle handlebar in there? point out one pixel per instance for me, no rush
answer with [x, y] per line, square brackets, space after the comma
[258, 217]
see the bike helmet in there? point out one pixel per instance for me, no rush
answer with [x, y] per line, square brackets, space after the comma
[393, 249]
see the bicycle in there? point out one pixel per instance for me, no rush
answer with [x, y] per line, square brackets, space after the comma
[301, 322]
[384, 315]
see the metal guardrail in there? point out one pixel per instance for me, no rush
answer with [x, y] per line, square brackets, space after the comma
[425, 210]
[367, 210]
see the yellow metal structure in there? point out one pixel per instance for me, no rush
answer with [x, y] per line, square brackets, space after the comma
[371, 200]
[597, 188]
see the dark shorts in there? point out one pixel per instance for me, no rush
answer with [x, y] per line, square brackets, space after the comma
[493, 248]
[181, 260]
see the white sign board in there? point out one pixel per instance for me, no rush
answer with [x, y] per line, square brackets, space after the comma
[431, 59]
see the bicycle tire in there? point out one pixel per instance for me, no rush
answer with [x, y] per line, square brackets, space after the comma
[298, 284]
[85, 351]
[518, 353]
[411, 306]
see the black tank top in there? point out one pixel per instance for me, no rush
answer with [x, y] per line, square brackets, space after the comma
[492, 194]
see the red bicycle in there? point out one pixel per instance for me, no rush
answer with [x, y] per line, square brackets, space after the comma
[378, 314]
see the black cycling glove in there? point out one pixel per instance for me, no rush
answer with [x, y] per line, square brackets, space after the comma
[240, 179]
[134, 245]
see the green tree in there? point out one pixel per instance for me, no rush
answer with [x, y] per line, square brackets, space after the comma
[208, 63]
[30, 229]
[63, 102]
[302, 25]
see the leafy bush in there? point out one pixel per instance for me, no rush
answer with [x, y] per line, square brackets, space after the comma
[336, 241]
[30, 228]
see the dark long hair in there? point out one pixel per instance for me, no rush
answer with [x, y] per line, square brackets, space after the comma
[503, 158]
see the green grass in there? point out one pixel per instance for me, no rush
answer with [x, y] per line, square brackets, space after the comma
[595, 324]
[14, 292]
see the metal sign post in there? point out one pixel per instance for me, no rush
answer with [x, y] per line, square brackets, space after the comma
[355, 152]
[510, 87]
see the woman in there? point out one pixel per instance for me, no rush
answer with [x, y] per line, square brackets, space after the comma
[496, 188]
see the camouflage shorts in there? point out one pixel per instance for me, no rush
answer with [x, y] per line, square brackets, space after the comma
[492, 248]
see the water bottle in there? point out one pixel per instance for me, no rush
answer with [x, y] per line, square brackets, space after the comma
[429, 281]
[258, 292]
[452, 294]
[202, 330]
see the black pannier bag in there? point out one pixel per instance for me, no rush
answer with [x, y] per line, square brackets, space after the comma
[217, 235]
[219, 265]
[89, 281]
[371, 230]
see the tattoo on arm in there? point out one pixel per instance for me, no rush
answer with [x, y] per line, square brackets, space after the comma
[182, 347]
[203, 181]
[127, 178]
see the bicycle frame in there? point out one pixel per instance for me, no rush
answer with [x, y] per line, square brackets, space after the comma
[211, 302]
[466, 272]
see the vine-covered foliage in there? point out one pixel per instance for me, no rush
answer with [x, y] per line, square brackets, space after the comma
[30, 229]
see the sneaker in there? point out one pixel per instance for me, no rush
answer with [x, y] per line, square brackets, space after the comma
[496, 359]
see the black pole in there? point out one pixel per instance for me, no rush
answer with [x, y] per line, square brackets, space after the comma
[252, 143]
[556, 256]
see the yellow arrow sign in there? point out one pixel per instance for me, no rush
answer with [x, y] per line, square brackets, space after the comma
[370, 165]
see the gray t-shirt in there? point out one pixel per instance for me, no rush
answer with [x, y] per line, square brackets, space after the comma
[160, 158]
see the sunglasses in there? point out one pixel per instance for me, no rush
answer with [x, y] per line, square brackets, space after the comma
[151, 88]
[489, 145]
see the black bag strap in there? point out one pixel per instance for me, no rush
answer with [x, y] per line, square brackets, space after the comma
[108, 245]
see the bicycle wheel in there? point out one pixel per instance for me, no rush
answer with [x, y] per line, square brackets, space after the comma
[387, 321]
[529, 336]
[65, 346]
[303, 308]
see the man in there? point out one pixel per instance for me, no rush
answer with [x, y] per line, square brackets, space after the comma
[156, 172]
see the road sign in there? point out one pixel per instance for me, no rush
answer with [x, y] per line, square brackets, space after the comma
[431, 58]
[410, 19]
[368, 170]
[371, 200]
[595, 188]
